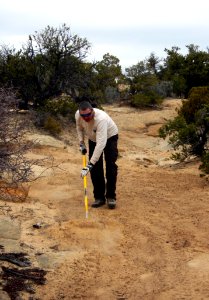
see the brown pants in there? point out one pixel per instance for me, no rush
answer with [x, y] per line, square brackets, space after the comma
[104, 189]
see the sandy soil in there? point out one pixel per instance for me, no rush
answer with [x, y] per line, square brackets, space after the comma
[154, 245]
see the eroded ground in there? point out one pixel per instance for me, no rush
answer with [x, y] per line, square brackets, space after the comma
[154, 245]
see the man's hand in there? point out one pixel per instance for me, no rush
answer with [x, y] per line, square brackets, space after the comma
[86, 170]
[82, 148]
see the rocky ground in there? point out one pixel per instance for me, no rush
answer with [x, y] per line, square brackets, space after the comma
[154, 245]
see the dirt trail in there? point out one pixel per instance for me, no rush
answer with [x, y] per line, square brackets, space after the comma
[154, 245]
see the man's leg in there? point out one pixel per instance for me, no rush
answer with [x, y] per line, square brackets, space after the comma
[111, 155]
[97, 176]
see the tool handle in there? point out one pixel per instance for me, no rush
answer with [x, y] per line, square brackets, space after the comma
[85, 187]
[84, 160]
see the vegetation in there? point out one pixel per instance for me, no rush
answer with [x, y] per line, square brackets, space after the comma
[188, 133]
[51, 74]
[146, 99]
[15, 168]
[143, 81]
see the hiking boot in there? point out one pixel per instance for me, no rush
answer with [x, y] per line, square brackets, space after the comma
[111, 203]
[98, 203]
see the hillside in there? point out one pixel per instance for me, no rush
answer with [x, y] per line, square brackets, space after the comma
[154, 245]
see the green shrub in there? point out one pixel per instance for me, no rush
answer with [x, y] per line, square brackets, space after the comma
[55, 114]
[181, 137]
[205, 163]
[188, 132]
[52, 126]
[63, 105]
[148, 99]
[197, 98]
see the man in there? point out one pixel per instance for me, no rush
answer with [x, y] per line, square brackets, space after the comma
[102, 135]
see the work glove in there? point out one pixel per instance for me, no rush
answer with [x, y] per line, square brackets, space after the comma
[82, 149]
[87, 169]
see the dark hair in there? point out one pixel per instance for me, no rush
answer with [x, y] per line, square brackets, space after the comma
[84, 105]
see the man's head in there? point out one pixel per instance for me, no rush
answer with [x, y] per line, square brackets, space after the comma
[86, 111]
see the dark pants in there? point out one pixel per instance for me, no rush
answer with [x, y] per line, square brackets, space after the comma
[104, 189]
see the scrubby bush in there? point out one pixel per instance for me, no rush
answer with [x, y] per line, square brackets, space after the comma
[15, 168]
[188, 132]
[13, 165]
[148, 99]
[181, 137]
[52, 126]
[205, 163]
[56, 113]
[63, 105]
[198, 97]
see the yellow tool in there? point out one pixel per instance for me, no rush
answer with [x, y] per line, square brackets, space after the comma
[85, 187]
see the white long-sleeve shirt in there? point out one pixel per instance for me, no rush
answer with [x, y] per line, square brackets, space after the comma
[98, 130]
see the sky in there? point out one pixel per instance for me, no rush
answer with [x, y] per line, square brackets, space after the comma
[130, 30]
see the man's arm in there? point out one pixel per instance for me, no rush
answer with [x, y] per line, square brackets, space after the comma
[79, 129]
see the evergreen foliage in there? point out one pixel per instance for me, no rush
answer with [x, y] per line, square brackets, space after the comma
[188, 132]
[147, 99]
[62, 105]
